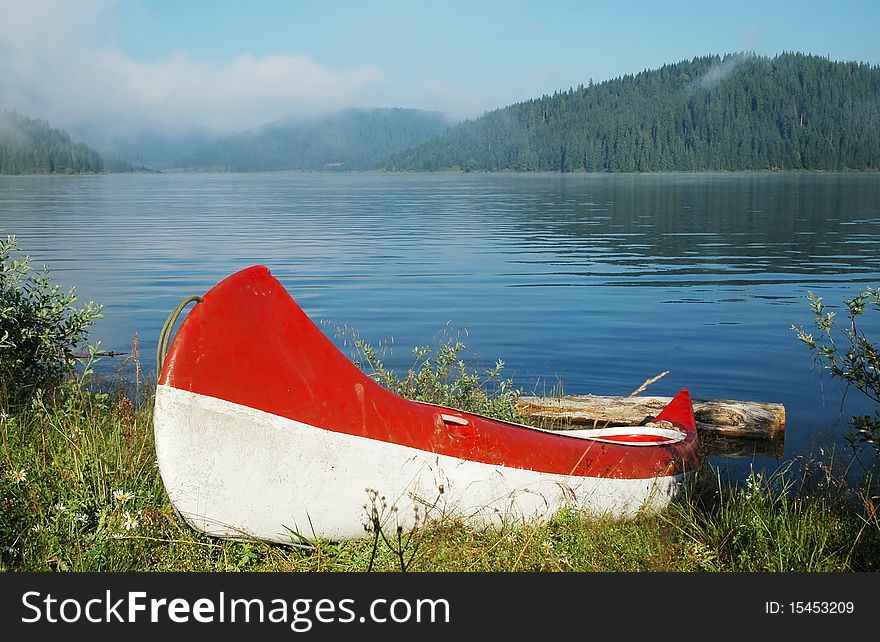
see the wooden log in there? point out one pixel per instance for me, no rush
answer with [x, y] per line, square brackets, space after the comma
[748, 419]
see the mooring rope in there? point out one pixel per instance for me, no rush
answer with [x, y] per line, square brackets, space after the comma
[165, 334]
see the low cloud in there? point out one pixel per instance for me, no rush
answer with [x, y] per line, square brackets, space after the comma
[723, 69]
[56, 64]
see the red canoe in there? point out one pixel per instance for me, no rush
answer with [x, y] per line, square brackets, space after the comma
[265, 429]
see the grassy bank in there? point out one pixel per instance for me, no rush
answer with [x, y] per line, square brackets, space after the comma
[81, 491]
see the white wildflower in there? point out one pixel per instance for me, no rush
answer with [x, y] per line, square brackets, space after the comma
[18, 476]
[129, 522]
[122, 495]
[754, 483]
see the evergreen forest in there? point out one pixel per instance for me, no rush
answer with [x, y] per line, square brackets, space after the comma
[350, 140]
[29, 146]
[732, 112]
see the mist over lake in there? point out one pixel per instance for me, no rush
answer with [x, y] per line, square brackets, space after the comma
[585, 283]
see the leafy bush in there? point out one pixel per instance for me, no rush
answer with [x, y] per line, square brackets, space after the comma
[446, 379]
[849, 354]
[39, 327]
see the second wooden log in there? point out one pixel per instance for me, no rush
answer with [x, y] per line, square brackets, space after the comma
[730, 418]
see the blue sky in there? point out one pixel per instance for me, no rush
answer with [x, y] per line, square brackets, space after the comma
[234, 65]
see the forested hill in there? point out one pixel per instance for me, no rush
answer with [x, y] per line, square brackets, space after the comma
[355, 139]
[29, 146]
[735, 112]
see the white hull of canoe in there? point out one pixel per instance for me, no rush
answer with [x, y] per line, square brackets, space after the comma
[237, 472]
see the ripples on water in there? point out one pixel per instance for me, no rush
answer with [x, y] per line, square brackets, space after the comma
[594, 281]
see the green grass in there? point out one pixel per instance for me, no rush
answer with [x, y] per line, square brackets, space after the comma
[81, 491]
[78, 453]
[804, 517]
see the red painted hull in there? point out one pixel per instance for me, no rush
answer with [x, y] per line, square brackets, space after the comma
[249, 343]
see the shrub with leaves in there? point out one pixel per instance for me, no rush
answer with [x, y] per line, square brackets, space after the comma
[444, 378]
[850, 355]
[40, 327]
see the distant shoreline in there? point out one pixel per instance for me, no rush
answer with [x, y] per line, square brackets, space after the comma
[449, 171]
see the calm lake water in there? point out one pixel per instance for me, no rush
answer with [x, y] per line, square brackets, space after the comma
[594, 282]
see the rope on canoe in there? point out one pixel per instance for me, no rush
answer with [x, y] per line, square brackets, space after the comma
[165, 334]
